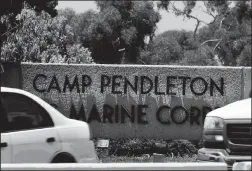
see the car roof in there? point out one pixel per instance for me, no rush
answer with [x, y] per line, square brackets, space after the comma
[16, 90]
[9, 89]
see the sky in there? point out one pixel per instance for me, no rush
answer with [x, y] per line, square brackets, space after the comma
[168, 22]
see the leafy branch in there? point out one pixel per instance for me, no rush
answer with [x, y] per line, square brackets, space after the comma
[180, 12]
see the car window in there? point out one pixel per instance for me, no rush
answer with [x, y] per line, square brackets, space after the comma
[24, 113]
[4, 124]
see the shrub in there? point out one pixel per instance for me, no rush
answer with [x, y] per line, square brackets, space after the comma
[138, 147]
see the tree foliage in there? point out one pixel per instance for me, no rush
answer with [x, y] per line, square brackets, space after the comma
[15, 7]
[165, 48]
[232, 31]
[118, 31]
[9, 9]
[223, 41]
[177, 48]
[124, 32]
[41, 38]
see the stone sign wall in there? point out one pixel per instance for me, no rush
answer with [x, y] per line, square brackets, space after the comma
[168, 102]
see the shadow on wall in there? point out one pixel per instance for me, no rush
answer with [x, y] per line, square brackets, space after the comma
[123, 115]
[186, 106]
[11, 75]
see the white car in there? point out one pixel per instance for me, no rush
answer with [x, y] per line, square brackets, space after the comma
[227, 134]
[32, 131]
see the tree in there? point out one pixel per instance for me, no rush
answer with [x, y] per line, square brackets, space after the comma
[9, 10]
[15, 7]
[41, 38]
[165, 48]
[201, 57]
[228, 33]
[82, 25]
[118, 30]
[177, 47]
[186, 11]
[71, 19]
[245, 56]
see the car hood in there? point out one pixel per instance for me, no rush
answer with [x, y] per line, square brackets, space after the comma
[237, 110]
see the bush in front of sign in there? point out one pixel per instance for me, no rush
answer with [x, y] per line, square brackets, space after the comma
[139, 147]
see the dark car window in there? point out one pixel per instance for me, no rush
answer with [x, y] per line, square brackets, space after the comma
[23, 113]
[4, 124]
